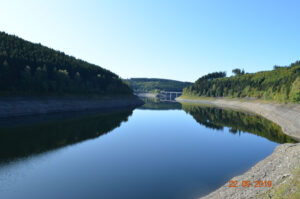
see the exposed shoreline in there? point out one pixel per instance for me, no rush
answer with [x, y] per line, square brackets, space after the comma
[279, 167]
[23, 106]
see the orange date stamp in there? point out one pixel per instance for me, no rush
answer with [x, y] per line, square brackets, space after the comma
[247, 183]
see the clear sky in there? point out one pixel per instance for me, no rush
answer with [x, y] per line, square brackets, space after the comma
[180, 40]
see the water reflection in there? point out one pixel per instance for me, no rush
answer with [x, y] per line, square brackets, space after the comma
[238, 122]
[23, 140]
[156, 154]
[157, 104]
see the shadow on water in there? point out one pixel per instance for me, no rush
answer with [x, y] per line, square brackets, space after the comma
[31, 136]
[237, 121]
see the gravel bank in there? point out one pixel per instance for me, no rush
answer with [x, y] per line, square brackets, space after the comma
[21, 106]
[279, 166]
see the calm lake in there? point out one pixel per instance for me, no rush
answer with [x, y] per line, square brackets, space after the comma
[160, 150]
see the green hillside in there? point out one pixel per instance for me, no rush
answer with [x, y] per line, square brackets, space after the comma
[281, 84]
[32, 69]
[154, 85]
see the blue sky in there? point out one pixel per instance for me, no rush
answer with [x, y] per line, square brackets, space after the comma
[180, 40]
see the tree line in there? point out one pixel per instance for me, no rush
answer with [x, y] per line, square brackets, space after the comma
[280, 84]
[154, 85]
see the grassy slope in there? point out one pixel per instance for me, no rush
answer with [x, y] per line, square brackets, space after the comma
[289, 188]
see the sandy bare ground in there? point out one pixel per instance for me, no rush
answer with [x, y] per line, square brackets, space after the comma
[279, 167]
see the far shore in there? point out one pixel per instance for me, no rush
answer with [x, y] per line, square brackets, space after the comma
[23, 106]
[146, 95]
[282, 167]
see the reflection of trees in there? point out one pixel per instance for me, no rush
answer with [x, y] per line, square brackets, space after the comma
[26, 140]
[156, 104]
[238, 122]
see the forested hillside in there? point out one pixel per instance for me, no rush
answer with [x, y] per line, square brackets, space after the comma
[154, 85]
[32, 69]
[281, 84]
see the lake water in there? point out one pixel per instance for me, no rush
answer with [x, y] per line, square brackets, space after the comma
[160, 150]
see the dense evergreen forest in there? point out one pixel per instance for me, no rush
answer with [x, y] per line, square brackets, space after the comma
[280, 84]
[32, 69]
[154, 85]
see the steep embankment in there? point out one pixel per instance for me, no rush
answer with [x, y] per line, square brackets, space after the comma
[282, 167]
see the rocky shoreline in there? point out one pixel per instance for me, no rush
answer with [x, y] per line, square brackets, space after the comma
[280, 166]
[22, 106]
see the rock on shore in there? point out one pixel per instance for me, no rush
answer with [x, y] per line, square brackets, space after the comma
[278, 167]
